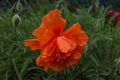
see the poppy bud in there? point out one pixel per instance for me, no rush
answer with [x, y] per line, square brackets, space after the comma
[16, 20]
[117, 61]
[19, 6]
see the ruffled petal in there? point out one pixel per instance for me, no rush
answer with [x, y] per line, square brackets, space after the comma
[78, 35]
[47, 54]
[40, 62]
[57, 66]
[34, 44]
[76, 55]
[39, 31]
[65, 44]
[46, 38]
[53, 21]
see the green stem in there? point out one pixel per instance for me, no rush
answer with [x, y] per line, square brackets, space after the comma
[16, 70]
[15, 32]
[6, 76]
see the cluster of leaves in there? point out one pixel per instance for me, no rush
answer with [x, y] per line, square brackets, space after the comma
[17, 62]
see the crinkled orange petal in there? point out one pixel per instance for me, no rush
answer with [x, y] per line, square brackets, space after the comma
[34, 44]
[53, 21]
[74, 58]
[65, 44]
[69, 61]
[46, 52]
[76, 33]
[40, 62]
[56, 66]
[39, 31]
[46, 37]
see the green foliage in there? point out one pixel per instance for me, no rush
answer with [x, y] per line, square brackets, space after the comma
[98, 62]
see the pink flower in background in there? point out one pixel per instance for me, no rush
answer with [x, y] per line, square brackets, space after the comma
[115, 14]
[117, 17]
[111, 12]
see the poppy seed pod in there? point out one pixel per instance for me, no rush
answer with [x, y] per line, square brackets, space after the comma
[16, 20]
[19, 6]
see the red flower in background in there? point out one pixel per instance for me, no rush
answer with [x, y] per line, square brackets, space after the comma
[111, 12]
[58, 49]
[117, 17]
[114, 13]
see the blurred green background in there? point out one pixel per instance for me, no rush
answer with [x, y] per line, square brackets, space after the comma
[100, 60]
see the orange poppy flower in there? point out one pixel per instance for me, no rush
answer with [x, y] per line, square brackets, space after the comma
[59, 49]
